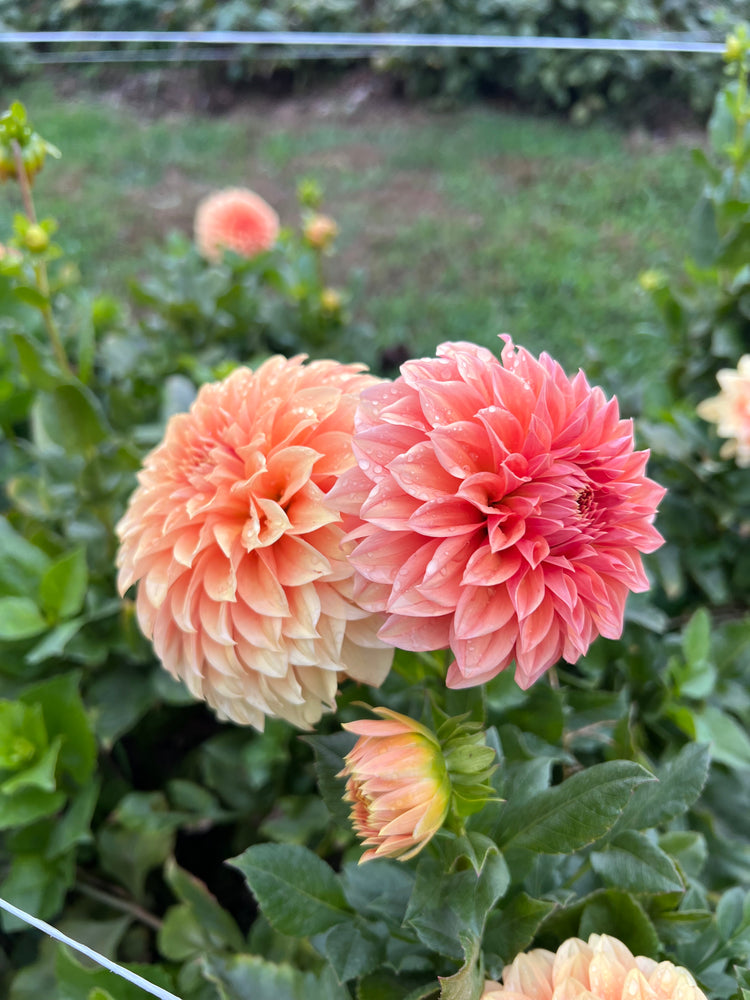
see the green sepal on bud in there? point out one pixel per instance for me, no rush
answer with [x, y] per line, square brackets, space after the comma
[470, 764]
[309, 193]
[15, 128]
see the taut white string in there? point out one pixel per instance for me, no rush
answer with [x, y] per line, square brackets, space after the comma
[53, 932]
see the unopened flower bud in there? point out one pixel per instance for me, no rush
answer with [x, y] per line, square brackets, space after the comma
[651, 280]
[320, 231]
[330, 301]
[36, 238]
[397, 783]
[404, 781]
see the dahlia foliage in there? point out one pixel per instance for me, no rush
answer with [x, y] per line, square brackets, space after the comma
[244, 583]
[499, 508]
[601, 969]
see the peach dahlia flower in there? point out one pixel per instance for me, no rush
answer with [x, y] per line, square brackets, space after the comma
[602, 969]
[730, 411]
[499, 509]
[397, 783]
[235, 219]
[243, 584]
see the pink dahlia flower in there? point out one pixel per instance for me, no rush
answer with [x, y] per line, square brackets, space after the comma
[602, 969]
[235, 219]
[243, 584]
[730, 411]
[397, 783]
[499, 509]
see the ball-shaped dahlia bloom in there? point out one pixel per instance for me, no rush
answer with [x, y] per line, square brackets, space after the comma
[499, 508]
[397, 783]
[234, 219]
[730, 411]
[244, 586]
[601, 969]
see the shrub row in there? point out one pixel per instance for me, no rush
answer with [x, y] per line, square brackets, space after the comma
[581, 83]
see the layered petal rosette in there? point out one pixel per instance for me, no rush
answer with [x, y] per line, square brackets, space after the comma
[730, 411]
[601, 969]
[235, 219]
[499, 508]
[243, 582]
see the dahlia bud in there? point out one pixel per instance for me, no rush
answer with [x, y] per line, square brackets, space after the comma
[36, 238]
[14, 128]
[320, 231]
[330, 301]
[397, 783]
[404, 781]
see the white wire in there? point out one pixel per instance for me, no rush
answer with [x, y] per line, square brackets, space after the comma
[131, 977]
[376, 40]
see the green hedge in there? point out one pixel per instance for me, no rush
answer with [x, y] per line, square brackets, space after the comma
[582, 83]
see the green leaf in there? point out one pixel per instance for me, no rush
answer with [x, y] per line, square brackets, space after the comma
[31, 296]
[617, 913]
[53, 644]
[76, 982]
[218, 926]
[20, 618]
[569, 816]
[467, 983]
[696, 637]
[21, 563]
[118, 698]
[729, 743]
[27, 806]
[75, 825]
[743, 981]
[511, 929]
[680, 782]
[40, 774]
[37, 885]
[63, 587]
[634, 863]
[242, 977]
[385, 985]
[70, 416]
[296, 890]
[445, 903]
[354, 949]
[65, 715]
[37, 368]
[329, 760]
[380, 889]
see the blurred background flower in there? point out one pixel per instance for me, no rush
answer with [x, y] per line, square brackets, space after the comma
[235, 219]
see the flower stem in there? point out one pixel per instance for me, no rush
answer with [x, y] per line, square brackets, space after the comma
[40, 268]
[116, 903]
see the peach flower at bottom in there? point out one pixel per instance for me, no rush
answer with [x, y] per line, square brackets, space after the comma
[602, 969]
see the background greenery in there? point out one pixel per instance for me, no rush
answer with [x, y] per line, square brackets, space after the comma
[584, 84]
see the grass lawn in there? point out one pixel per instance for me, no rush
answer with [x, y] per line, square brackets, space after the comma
[464, 224]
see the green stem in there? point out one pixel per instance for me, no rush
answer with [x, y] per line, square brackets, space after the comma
[40, 268]
[741, 121]
[116, 903]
